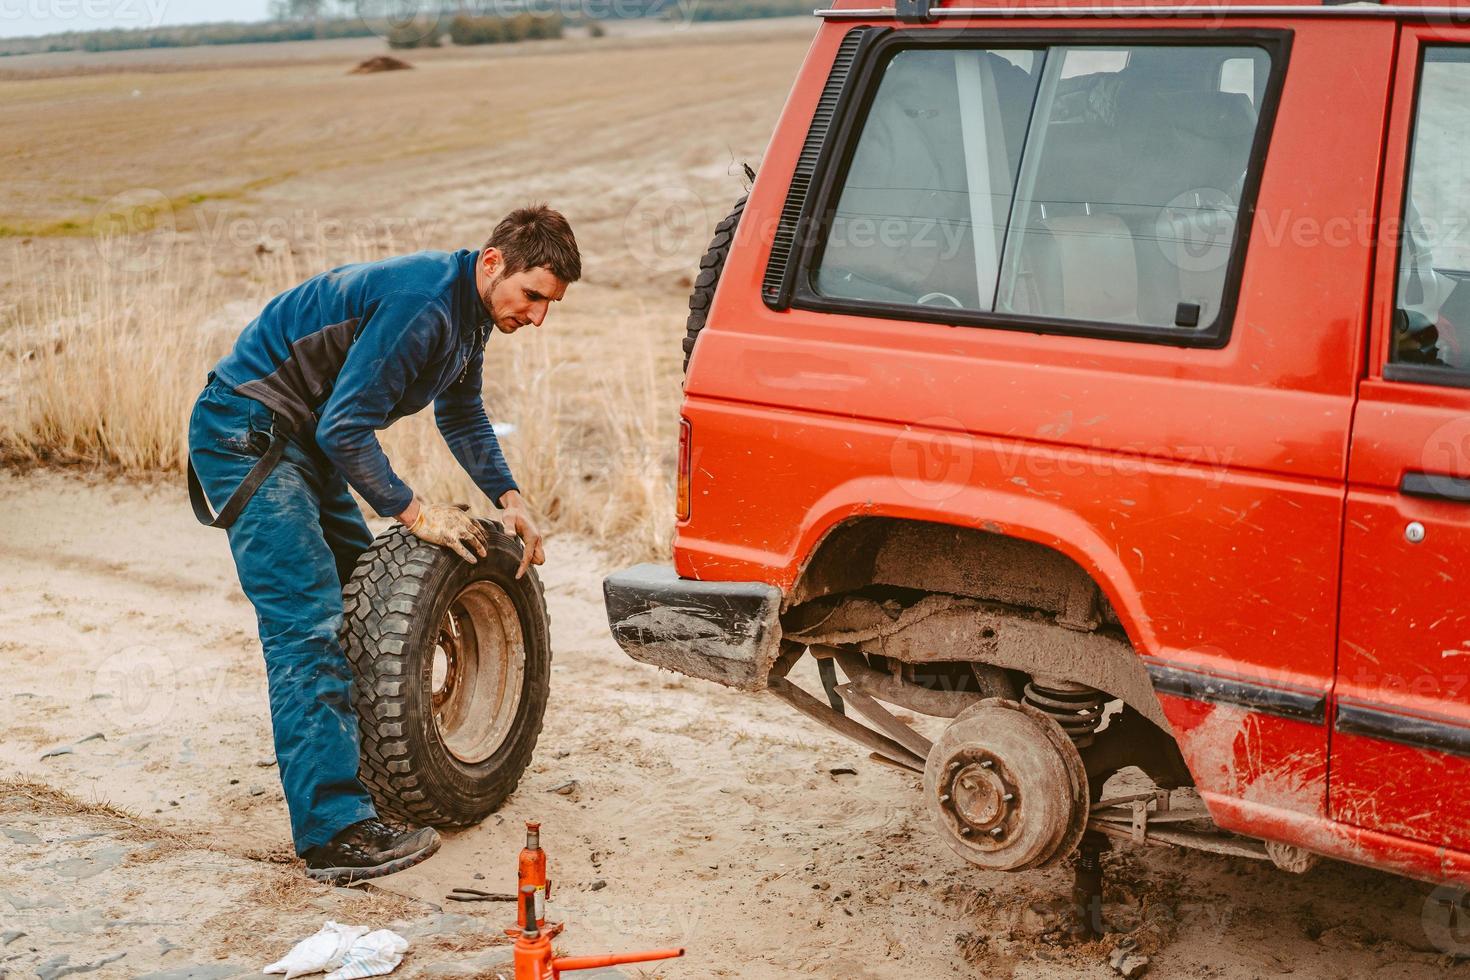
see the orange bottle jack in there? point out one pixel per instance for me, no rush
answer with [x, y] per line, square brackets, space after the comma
[533, 873]
[534, 959]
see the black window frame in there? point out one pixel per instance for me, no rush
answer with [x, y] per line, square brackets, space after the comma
[1404, 371]
[857, 99]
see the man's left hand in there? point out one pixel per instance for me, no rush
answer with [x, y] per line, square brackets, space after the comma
[516, 517]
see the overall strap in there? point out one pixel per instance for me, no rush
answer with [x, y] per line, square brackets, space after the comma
[243, 492]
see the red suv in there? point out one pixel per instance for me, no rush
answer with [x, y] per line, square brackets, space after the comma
[1099, 378]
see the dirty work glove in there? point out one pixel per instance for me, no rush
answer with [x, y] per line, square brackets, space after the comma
[451, 527]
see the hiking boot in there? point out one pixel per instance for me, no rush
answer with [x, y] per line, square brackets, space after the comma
[369, 849]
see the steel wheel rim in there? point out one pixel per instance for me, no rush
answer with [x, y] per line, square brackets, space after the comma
[478, 672]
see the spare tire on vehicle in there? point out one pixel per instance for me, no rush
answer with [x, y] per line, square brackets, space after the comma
[452, 664]
[711, 265]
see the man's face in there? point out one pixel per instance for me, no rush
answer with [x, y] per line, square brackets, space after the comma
[520, 298]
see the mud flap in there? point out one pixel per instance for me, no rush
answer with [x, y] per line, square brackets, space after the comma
[726, 632]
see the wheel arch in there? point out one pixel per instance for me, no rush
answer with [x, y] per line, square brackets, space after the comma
[842, 518]
[1097, 629]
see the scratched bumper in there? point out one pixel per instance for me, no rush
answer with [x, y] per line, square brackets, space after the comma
[727, 632]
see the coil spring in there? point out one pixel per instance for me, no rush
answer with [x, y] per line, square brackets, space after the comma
[1079, 710]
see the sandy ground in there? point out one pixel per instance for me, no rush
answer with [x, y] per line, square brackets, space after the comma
[153, 829]
[155, 840]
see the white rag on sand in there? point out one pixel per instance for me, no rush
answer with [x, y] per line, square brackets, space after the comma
[373, 955]
[350, 952]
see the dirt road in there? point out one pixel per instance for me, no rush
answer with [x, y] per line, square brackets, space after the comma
[715, 820]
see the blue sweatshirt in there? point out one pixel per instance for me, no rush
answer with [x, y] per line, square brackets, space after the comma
[354, 350]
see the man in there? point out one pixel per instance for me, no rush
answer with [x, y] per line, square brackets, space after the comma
[287, 424]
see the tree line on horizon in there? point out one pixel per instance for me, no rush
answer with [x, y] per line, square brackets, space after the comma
[307, 20]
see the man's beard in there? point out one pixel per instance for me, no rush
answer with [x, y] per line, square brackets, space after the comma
[488, 303]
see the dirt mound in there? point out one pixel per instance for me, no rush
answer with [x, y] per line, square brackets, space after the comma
[381, 63]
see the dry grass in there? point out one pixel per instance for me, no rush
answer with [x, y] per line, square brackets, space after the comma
[254, 172]
[285, 905]
[294, 892]
[111, 376]
[33, 796]
[104, 367]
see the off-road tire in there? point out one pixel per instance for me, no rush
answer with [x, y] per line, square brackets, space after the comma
[710, 268]
[393, 607]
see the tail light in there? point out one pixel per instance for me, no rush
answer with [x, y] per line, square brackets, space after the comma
[685, 458]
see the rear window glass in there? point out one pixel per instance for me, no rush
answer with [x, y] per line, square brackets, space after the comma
[1432, 314]
[1097, 184]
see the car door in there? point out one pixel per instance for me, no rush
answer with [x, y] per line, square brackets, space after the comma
[1400, 755]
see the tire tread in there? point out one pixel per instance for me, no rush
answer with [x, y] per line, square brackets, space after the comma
[390, 584]
[711, 265]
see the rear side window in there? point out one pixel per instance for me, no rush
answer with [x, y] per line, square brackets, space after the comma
[1432, 313]
[1063, 184]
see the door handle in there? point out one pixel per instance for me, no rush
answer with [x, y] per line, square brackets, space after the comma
[1436, 486]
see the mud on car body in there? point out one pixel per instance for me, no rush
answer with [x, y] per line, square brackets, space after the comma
[1100, 379]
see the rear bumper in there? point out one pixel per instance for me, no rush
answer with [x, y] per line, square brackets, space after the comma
[727, 632]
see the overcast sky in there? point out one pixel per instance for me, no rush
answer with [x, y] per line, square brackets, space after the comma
[19, 18]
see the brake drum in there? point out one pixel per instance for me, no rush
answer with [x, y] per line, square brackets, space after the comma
[1007, 788]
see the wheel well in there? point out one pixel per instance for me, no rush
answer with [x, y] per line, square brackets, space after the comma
[918, 592]
[954, 560]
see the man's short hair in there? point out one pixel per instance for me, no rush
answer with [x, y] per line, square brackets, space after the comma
[536, 236]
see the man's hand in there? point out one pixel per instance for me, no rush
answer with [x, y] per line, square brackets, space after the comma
[447, 525]
[517, 518]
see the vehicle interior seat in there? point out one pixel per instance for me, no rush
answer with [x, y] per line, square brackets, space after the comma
[905, 197]
[1075, 258]
[909, 175]
[1188, 149]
